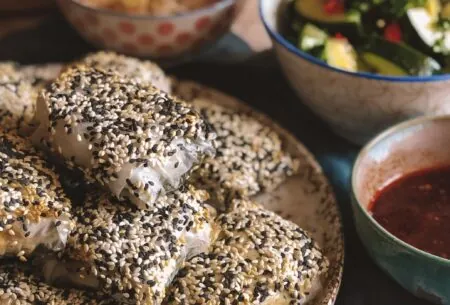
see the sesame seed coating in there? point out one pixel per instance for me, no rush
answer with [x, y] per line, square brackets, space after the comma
[17, 99]
[133, 254]
[41, 75]
[32, 200]
[259, 257]
[141, 71]
[134, 139]
[249, 156]
[19, 286]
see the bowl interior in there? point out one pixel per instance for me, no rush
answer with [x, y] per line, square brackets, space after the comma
[271, 12]
[216, 6]
[405, 148]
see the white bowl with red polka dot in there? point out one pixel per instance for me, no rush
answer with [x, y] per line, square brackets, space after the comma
[151, 36]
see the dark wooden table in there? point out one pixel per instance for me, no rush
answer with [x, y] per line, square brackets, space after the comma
[364, 283]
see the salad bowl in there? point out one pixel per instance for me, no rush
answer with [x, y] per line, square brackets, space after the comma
[356, 105]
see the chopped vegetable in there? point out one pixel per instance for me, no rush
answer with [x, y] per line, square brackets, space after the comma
[332, 19]
[339, 36]
[393, 32]
[340, 53]
[312, 37]
[382, 65]
[430, 31]
[332, 7]
[406, 58]
[332, 11]
[392, 37]
[433, 8]
[390, 8]
[445, 13]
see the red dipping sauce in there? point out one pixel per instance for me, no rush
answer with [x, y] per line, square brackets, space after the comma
[416, 209]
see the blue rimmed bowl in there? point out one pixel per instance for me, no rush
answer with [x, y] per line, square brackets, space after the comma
[413, 145]
[357, 106]
[158, 37]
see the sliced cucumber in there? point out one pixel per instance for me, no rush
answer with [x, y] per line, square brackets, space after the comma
[312, 11]
[420, 23]
[433, 8]
[311, 37]
[364, 67]
[403, 56]
[445, 13]
[339, 53]
[381, 65]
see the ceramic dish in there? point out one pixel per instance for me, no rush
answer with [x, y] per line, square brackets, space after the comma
[357, 106]
[405, 148]
[306, 199]
[151, 36]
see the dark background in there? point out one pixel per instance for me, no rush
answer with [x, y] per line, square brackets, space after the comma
[255, 78]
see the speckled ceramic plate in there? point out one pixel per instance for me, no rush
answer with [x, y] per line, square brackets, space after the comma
[306, 199]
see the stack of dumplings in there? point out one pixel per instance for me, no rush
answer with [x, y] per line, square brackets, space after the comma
[166, 215]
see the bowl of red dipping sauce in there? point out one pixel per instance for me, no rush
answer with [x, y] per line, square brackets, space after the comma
[401, 204]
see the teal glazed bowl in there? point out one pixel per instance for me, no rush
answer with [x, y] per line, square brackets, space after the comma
[407, 147]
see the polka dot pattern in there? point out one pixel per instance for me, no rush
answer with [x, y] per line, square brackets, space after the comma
[91, 19]
[109, 35]
[127, 27]
[183, 38]
[165, 50]
[129, 47]
[166, 28]
[202, 23]
[145, 39]
[150, 37]
[97, 38]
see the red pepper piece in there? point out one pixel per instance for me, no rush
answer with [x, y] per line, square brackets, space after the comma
[393, 32]
[333, 7]
[340, 36]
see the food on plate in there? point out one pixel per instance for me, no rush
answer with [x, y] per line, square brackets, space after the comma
[416, 209]
[19, 87]
[34, 209]
[151, 7]
[249, 156]
[132, 138]
[396, 38]
[141, 71]
[41, 75]
[19, 286]
[130, 253]
[258, 258]
[149, 235]
[17, 99]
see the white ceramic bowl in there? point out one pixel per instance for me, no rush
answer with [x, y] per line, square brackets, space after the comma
[151, 36]
[357, 106]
